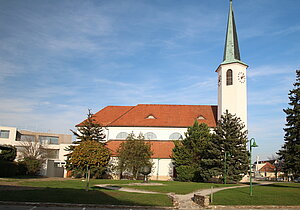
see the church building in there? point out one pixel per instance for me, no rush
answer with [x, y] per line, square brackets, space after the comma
[161, 124]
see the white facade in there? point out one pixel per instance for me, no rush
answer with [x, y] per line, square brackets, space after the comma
[161, 133]
[233, 97]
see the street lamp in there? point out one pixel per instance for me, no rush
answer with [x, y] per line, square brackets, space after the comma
[251, 145]
[225, 166]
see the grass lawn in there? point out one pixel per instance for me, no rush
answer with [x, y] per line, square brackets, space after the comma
[274, 194]
[72, 191]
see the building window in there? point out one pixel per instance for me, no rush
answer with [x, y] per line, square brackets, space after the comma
[122, 135]
[229, 77]
[175, 136]
[52, 153]
[48, 139]
[4, 134]
[27, 138]
[150, 136]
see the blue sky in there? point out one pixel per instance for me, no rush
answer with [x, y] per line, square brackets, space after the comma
[59, 58]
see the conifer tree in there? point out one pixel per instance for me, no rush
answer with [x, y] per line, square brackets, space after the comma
[194, 157]
[89, 130]
[290, 153]
[231, 140]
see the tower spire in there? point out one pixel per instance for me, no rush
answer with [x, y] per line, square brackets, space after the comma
[231, 50]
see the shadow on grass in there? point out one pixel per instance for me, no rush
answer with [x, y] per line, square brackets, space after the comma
[78, 196]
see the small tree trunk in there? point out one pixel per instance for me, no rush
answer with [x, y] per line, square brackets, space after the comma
[88, 179]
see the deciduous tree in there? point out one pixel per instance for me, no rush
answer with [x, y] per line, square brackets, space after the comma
[88, 155]
[133, 154]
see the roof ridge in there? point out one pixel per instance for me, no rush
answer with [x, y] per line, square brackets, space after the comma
[132, 107]
[172, 105]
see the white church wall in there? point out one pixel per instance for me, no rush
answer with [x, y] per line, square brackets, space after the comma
[162, 169]
[160, 132]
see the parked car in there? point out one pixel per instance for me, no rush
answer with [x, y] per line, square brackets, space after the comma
[297, 180]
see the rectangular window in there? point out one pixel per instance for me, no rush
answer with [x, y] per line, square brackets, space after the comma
[4, 134]
[27, 138]
[48, 139]
[52, 153]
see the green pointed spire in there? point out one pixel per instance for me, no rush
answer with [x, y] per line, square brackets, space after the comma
[231, 51]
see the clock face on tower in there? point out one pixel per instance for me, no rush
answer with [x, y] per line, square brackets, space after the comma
[241, 77]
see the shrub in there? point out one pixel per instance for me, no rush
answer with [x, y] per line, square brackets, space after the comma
[185, 173]
[33, 166]
[8, 169]
[8, 153]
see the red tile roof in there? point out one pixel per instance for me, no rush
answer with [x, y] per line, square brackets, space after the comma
[165, 115]
[161, 149]
[268, 167]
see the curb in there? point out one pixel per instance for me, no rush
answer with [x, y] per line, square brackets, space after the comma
[252, 207]
[80, 205]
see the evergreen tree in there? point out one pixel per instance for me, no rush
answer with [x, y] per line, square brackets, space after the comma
[89, 130]
[195, 157]
[290, 153]
[231, 140]
[133, 154]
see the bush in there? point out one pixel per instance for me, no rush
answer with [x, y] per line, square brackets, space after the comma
[8, 153]
[32, 165]
[185, 173]
[8, 169]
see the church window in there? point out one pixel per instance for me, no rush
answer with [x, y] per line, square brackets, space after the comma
[175, 136]
[150, 136]
[229, 77]
[122, 135]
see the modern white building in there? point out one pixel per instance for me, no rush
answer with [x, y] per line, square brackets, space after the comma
[54, 144]
[160, 124]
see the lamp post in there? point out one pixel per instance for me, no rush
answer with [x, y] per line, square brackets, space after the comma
[251, 145]
[225, 166]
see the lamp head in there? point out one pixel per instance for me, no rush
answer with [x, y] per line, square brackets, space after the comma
[254, 143]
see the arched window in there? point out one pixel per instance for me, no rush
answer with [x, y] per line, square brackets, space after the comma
[150, 136]
[122, 135]
[229, 77]
[175, 136]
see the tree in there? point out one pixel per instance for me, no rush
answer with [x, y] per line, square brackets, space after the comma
[90, 135]
[88, 155]
[231, 141]
[194, 156]
[89, 130]
[133, 154]
[8, 153]
[32, 154]
[290, 152]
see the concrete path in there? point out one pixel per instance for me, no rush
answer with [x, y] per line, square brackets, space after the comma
[125, 189]
[181, 201]
[186, 201]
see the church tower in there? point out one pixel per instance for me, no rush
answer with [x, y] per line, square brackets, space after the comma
[232, 80]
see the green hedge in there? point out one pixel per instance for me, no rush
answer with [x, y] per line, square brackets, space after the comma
[8, 169]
